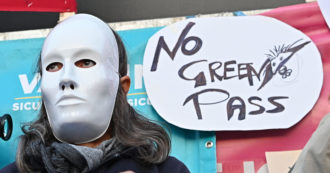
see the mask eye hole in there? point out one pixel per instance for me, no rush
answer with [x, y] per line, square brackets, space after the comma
[55, 66]
[85, 63]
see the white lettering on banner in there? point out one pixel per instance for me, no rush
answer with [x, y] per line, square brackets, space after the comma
[26, 86]
[219, 167]
[128, 71]
[139, 101]
[248, 167]
[27, 106]
[138, 76]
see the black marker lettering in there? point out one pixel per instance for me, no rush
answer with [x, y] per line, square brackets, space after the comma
[261, 108]
[279, 107]
[231, 108]
[194, 98]
[162, 45]
[212, 70]
[249, 69]
[198, 45]
[227, 69]
[199, 79]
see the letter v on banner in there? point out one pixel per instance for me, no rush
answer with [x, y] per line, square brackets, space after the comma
[26, 86]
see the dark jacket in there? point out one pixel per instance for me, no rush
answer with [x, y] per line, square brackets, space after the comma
[122, 164]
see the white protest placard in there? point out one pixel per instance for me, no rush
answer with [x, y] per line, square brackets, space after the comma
[232, 73]
[325, 9]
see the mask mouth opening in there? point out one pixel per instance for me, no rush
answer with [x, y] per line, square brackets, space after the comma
[6, 127]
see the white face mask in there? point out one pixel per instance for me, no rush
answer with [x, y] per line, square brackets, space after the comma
[80, 78]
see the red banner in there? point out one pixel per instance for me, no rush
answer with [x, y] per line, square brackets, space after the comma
[244, 152]
[39, 5]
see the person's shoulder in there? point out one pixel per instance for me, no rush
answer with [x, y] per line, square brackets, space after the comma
[11, 168]
[131, 164]
[173, 165]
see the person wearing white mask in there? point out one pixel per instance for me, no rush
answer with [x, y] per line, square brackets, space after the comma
[85, 123]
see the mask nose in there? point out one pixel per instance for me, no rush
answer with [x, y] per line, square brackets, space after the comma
[68, 81]
[68, 84]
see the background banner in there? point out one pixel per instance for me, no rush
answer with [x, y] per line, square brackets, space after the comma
[244, 152]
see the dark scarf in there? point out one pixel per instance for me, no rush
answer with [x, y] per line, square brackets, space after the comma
[64, 158]
[56, 158]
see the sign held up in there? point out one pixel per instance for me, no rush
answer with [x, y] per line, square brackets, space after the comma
[234, 73]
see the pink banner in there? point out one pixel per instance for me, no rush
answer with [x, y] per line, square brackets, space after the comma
[244, 152]
[39, 5]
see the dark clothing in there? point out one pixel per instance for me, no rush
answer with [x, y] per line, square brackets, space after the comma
[11, 168]
[125, 163]
[109, 157]
[171, 165]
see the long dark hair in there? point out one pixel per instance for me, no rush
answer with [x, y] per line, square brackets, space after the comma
[129, 128]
